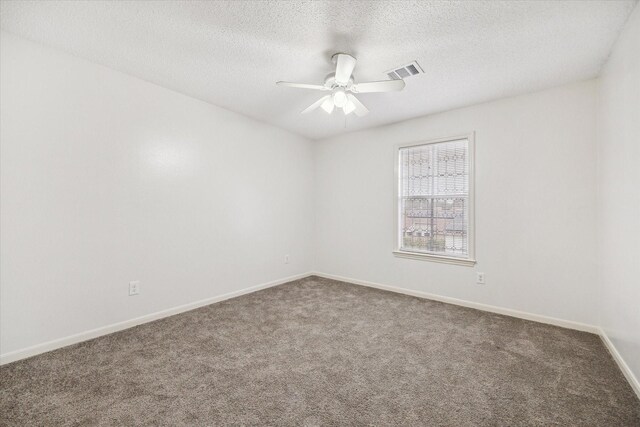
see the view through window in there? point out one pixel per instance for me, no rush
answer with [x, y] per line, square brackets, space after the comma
[434, 200]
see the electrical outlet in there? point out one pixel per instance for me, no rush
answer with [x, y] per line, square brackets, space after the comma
[286, 259]
[134, 288]
[480, 278]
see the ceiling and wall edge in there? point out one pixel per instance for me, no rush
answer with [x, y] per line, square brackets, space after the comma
[264, 123]
[231, 56]
[80, 58]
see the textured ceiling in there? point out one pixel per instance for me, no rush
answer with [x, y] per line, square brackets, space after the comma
[232, 53]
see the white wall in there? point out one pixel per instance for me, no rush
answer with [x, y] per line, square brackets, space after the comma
[619, 194]
[107, 178]
[535, 204]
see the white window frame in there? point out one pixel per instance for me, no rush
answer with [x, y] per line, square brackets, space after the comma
[470, 260]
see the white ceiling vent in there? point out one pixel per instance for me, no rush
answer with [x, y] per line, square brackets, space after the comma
[405, 71]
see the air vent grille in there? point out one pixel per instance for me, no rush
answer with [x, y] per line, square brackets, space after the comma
[405, 71]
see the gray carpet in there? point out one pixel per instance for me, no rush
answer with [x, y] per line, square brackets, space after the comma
[321, 352]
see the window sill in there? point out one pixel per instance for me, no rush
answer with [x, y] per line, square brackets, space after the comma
[435, 258]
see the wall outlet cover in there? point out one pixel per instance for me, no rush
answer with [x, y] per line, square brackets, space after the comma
[480, 278]
[134, 288]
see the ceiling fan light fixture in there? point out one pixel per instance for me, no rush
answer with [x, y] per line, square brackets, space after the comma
[328, 105]
[349, 106]
[339, 98]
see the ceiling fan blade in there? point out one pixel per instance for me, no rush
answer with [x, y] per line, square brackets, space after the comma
[303, 86]
[344, 68]
[382, 86]
[316, 104]
[359, 109]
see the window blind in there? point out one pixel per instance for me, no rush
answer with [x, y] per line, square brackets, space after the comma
[434, 198]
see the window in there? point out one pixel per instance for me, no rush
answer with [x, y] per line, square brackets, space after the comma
[435, 201]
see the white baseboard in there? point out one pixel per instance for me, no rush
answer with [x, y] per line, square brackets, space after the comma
[464, 303]
[105, 330]
[626, 370]
[115, 327]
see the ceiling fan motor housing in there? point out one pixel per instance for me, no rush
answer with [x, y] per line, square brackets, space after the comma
[330, 81]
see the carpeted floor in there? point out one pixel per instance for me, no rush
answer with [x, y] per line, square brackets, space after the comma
[321, 352]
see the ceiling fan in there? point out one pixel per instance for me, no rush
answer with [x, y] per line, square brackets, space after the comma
[342, 88]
